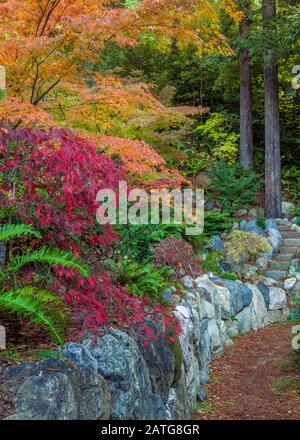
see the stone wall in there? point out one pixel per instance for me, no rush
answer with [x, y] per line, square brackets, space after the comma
[118, 378]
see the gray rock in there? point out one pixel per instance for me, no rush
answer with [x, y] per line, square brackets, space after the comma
[57, 390]
[278, 298]
[258, 309]
[188, 282]
[216, 243]
[125, 370]
[274, 316]
[290, 283]
[263, 262]
[204, 379]
[240, 295]
[160, 362]
[265, 293]
[168, 296]
[241, 212]
[288, 209]
[255, 212]
[201, 395]
[244, 320]
[79, 354]
[252, 226]
[179, 406]
[215, 337]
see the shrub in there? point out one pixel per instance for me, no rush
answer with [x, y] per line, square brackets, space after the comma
[217, 136]
[231, 186]
[141, 280]
[244, 246]
[216, 223]
[179, 255]
[50, 180]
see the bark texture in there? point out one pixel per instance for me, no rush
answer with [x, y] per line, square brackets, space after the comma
[272, 127]
[246, 131]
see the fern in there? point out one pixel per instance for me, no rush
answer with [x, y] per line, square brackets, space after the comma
[8, 231]
[49, 256]
[34, 309]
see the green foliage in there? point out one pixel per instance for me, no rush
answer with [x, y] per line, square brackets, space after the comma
[38, 305]
[216, 223]
[8, 231]
[36, 310]
[244, 246]
[291, 182]
[218, 138]
[50, 256]
[194, 166]
[232, 186]
[210, 263]
[141, 280]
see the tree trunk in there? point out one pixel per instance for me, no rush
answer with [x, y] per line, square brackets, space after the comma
[272, 127]
[246, 132]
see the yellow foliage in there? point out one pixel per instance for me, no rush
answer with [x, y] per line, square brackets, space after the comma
[244, 246]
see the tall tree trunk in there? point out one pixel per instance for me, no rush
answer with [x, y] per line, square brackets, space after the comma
[272, 127]
[246, 132]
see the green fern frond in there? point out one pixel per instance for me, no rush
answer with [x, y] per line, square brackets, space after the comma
[43, 295]
[8, 231]
[49, 256]
[32, 309]
[52, 303]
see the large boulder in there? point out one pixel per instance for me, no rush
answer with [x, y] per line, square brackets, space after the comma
[278, 299]
[54, 389]
[160, 361]
[252, 227]
[81, 355]
[265, 290]
[259, 309]
[240, 295]
[125, 371]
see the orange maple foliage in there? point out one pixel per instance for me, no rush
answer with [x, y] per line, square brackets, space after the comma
[142, 164]
[45, 42]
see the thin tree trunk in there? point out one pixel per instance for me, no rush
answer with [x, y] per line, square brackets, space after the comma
[272, 128]
[246, 131]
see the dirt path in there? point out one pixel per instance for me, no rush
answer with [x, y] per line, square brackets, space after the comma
[254, 379]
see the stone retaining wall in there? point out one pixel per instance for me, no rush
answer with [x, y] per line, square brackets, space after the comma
[118, 378]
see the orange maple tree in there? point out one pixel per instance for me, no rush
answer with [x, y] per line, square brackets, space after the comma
[46, 42]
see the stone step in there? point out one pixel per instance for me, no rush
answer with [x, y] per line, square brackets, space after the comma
[276, 274]
[279, 265]
[288, 250]
[290, 234]
[285, 257]
[292, 242]
[284, 228]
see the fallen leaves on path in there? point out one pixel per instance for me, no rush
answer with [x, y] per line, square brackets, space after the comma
[254, 380]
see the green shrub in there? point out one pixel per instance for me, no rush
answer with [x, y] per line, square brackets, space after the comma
[141, 280]
[231, 186]
[291, 182]
[218, 136]
[216, 223]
